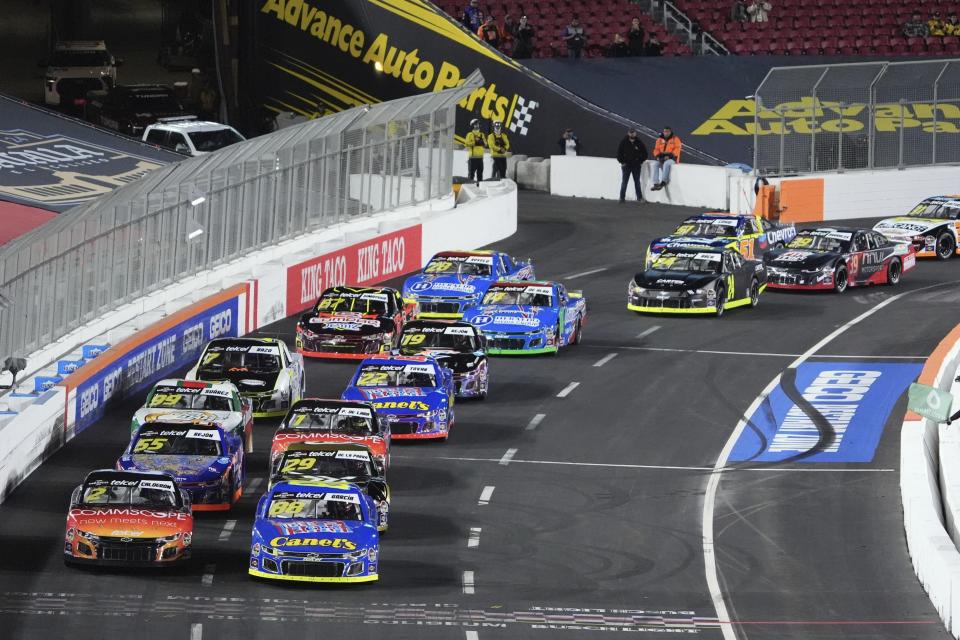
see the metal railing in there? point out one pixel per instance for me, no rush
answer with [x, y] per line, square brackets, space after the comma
[870, 115]
[679, 23]
[202, 212]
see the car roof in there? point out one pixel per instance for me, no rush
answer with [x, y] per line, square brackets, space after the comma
[716, 215]
[699, 248]
[348, 289]
[466, 252]
[188, 125]
[399, 360]
[220, 385]
[331, 402]
[413, 324]
[840, 229]
[245, 342]
[80, 45]
[523, 283]
[113, 474]
[171, 414]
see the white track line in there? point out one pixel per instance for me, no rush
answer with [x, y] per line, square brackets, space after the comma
[508, 456]
[474, 539]
[196, 631]
[535, 421]
[585, 273]
[761, 353]
[613, 465]
[486, 494]
[605, 359]
[472, 635]
[207, 579]
[646, 332]
[468, 582]
[713, 483]
[567, 389]
[227, 530]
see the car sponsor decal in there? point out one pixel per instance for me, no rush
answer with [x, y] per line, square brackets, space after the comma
[203, 434]
[164, 485]
[443, 286]
[845, 407]
[458, 331]
[311, 526]
[356, 412]
[793, 256]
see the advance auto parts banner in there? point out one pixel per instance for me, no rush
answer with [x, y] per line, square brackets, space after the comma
[315, 58]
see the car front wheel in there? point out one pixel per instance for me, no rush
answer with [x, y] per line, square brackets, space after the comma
[894, 271]
[754, 294]
[721, 301]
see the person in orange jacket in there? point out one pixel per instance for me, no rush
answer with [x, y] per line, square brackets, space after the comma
[666, 153]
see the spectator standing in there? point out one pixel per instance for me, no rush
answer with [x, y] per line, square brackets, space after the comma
[630, 155]
[915, 27]
[935, 25]
[654, 46]
[666, 153]
[635, 37]
[489, 32]
[523, 39]
[471, 16]
[619, 47]
[475, 144]
[569, 143]
[499, 145]
[951, 27]
[575, 37]
[506, 34]
[759, 10]
[738, 12]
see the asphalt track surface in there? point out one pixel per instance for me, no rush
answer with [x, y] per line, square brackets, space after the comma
[576, 524]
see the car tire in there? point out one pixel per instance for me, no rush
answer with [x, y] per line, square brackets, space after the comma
[721, 301]
[946, 246]
[754, 293]
[557, 336]
[578, 333]
[894, 272]
[840, 279]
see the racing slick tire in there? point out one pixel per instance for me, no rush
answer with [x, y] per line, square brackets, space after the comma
[577, 333]
[721, 301]
[840, 280]
[946, 246]
[754, 293]
[894, 271]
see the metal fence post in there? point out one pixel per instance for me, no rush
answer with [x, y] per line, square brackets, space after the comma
[840, 140]
[783, 137]
[936, 89]
[900, 132]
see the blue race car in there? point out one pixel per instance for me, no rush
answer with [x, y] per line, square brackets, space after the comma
[413, 393]
[749, 234]
[453, 281]
[206, 460]
[519, 318]
[315, 531]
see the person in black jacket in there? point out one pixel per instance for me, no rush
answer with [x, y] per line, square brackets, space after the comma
[631, 155]
[569, 143]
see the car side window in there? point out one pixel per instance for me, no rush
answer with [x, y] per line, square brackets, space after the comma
[177, 139]
[284, 353]
[728, 263]
[504, 264]
[879, 241]
[752, 226]
[859, 242]
[157, 136]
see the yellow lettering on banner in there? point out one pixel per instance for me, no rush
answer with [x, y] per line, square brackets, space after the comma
[893, 111]
[940, 127]
[332, 31]
[711, 127]
[276, 6]
[412, 60]
[377, 50]
[926, 111]
[846, 126]
[764, 128]
[448, 76]
[500, 114]
[886, 125]
[735, 109]
[344, 41]
[316, 29]
[356, 44]
[423, 76]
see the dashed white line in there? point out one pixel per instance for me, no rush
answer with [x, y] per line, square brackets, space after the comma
[472, 635]
[474, 539]
[766, 354]
[605, 359]
[646, 332]
[585, 273]
[227, 530]
[568, 389]
[535, 421]
[508, 456]
[207, 579]
[486, 494]
[196, 631]
[468, 582]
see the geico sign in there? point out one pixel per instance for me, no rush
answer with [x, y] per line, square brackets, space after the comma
[221, 324]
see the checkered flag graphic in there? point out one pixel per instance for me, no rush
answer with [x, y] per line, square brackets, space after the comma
[523, 115]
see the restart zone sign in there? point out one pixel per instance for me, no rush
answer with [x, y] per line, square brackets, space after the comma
[848, 401]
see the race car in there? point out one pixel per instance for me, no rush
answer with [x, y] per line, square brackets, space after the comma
[263, 369]
[334, 422]
[520, 318]
[206, 460]
[696, 279]
[351, 463]
[192, 400]
[353, 323]
[457, 346]
[128, 518]
[315, 532]
[413, 393]
[750, 235]
[835, 258]
[931, 227]
[455, 280]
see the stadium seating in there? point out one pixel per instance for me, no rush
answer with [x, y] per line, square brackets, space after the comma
[600, 19]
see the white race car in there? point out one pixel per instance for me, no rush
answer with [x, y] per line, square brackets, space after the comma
[931, 227]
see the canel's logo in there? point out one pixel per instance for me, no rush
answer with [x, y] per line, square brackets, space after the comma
[480, 321]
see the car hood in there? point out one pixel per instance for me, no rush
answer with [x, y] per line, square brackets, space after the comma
[224, 419]
[344, 322]
[448, 286]
[798, 259]
[674, 280]
[287, 437]
[183, 468]
[245, 381]
[510, 318]
[718, 242]
[397, 399]
[129, 522]
[907, 226]
[322, 536]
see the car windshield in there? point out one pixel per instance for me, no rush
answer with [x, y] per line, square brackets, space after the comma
[708, 227]
[705, 262]
[418, 340]
[936, 209]
[330, 464]
[533, 296]
[221, 360]
[827, 241]
[325, 506]
[172, 441]
[331, 420]
[174, 398]
[153, 103]
[152, 495]
[70, 58]
[463, 265]
[365, 303]
[213, 140]
[411, 375]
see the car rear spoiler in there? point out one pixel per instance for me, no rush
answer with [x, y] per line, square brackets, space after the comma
[575, 294]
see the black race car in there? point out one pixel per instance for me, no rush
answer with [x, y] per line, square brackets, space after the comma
[836, 258]
[459, 346]
[353, 322]
[696, 280]
[130, 108]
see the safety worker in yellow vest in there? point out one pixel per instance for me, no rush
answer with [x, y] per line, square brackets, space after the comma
[475, 144]
[499, 145]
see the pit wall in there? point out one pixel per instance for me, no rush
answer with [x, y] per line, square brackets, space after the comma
[930, 490]
[71, 384]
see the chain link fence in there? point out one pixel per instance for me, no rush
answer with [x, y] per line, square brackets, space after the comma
[202, 212]
[868, 115]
